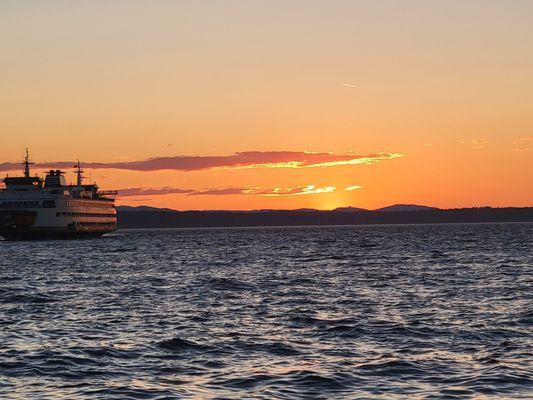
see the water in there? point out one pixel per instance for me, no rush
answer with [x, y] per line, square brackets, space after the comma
[435, 311]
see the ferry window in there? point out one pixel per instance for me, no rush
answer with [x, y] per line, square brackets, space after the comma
[49, 203]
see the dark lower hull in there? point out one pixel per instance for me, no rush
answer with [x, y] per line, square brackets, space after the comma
[20, 225]
[34, 234]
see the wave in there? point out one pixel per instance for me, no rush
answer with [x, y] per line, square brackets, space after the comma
[178, 344]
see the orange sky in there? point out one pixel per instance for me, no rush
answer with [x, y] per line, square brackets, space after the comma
[446, 84]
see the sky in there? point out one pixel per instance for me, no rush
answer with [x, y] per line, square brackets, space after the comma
[274, 104]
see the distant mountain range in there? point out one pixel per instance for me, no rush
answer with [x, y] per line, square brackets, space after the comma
[349, 209]
[406, 207]
[151, 217]
[395, 207]
[142, 208]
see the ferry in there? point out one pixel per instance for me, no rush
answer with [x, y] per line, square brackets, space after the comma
[49, 208]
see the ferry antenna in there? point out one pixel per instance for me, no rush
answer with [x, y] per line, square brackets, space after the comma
[26, 163]
[79, 173]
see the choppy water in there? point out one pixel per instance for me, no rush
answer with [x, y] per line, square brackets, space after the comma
[442, 311]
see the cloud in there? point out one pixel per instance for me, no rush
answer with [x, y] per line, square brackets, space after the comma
[151, 192]
[247, 159]
[350, 85]
[265, 191]
[353, 187]
[522, 144]
[477, 144]
[299, 190]
[523, 140]
[247, 190]
[473, 141]
[217, 192]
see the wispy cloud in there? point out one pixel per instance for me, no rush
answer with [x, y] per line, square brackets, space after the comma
[298, 190]
[265, 191]
[247, 159]
[217, 192]
[350, 85]
[522, 144]
[247, 190]
[472, 141]
[476, 144]
[353, 187]
[139, 191]
[523, 140]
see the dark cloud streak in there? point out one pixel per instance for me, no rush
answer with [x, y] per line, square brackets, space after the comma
[247, 159]
[151, 192]
[248, 190]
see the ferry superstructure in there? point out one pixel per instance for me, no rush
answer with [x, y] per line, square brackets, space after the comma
[35, 208]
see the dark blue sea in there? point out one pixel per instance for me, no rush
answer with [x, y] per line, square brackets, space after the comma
[385, 312]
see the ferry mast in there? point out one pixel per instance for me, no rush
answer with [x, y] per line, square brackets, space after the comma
[26, 163]
[79, 172]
